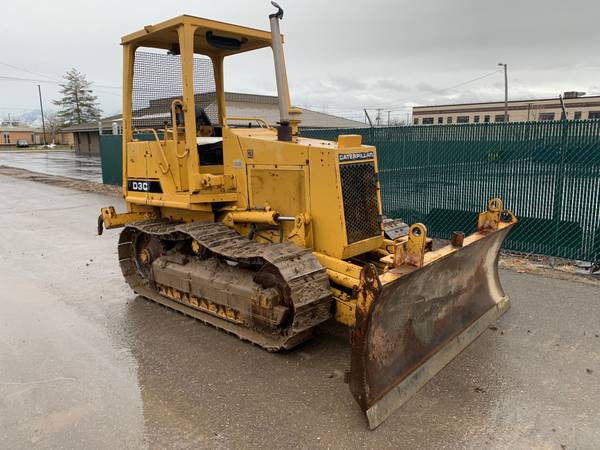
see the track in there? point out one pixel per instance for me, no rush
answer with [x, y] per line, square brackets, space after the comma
[294, 271]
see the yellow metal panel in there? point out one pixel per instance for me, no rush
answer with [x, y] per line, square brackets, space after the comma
[164, 35]
[213, 170]
[145, 158]
[345, 311]
[234, 164]
[261, 147]
[214, 197]
[182, 215]
[360, 247]
[136, 161]
[329, 234]
[340, 266]
[282, 188]
[349, 140]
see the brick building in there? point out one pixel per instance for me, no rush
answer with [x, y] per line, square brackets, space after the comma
[537, 110]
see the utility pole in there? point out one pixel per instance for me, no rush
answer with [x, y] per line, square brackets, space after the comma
[378, 118]
[565, 114]
[505, 91]
[368, 117]
[42, 111]
[389, 118]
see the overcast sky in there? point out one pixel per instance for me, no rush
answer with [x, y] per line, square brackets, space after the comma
[342, 55]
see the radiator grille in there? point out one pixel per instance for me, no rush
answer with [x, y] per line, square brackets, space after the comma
[361, 212]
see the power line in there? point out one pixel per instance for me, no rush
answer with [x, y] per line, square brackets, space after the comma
[36, 81]
[32, 80]
[3, 108]
[52, 78]
[439, 90]
[27, 71]
[389, 106]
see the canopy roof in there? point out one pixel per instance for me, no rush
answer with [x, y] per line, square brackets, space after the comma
[212, 38]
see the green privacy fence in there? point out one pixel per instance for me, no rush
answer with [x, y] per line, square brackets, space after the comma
[111, 156]
[547, 173]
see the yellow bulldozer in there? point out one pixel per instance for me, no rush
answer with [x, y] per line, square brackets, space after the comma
[246, 225]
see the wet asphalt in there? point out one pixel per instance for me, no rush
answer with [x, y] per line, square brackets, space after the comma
[86, 364]
[62, 163]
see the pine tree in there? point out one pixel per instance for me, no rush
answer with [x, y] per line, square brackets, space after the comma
[78, 104]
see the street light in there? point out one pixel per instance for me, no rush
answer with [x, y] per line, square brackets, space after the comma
[505, 91]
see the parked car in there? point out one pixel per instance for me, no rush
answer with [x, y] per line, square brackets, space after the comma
[22, 143]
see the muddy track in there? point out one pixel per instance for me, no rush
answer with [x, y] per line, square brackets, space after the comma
[306, 282]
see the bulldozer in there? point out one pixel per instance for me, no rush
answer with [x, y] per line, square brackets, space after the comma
[244, 224]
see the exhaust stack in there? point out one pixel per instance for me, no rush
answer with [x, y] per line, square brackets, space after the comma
[284, 130]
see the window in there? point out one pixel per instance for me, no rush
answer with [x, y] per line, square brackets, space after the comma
[577, 115]
[440, 120]
[545, 116]
[476, 119]
[462, 119]
[7, 138]
[416, 121]
[594, 115]
[500, 118]
[427, 120]
[448, 119]
[486, 119]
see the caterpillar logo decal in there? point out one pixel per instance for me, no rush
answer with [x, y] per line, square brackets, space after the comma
[144, 186]
[349, 157]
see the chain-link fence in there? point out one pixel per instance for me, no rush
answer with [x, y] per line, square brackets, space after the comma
[547, 173]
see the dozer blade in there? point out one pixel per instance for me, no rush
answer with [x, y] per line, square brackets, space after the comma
[411, 322]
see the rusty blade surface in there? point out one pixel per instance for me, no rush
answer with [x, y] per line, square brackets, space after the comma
[418, 323]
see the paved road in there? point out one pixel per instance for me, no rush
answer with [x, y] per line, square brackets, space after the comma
[84, 364]
[66, 164]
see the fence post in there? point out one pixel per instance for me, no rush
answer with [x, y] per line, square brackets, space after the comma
[559, 181]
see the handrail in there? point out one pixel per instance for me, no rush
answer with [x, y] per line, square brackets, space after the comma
[162, 152]
[175, 127]
[260, 122]
[174, 115]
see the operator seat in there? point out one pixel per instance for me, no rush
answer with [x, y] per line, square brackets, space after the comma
[209, 140]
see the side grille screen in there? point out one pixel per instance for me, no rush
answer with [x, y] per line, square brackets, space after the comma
[359, 188]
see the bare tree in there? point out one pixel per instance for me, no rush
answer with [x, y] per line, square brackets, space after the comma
[54, 124]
